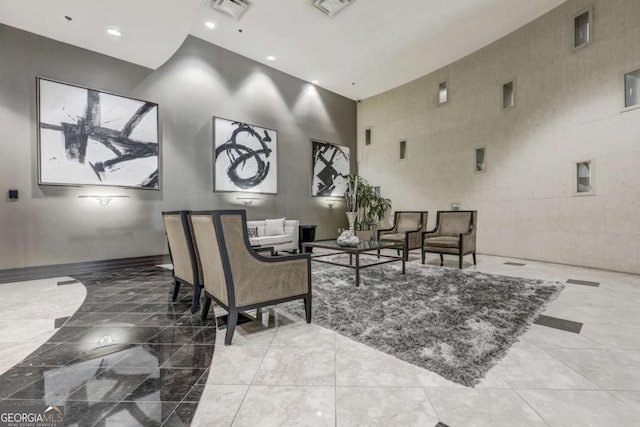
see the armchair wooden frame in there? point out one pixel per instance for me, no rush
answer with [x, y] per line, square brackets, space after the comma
[466, 241]
[232, 307]
[193, 259]
[413, 238]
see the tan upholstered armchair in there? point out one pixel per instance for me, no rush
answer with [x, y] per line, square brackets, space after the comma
[237, 277]
[185, 261]
[407, 228]
[455, 234]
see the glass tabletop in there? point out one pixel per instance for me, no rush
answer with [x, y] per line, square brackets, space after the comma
[364, 245]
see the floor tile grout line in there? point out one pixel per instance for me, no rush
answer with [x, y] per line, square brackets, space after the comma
[435, 411]
[526, 402]
[235, 415]
[573, 369]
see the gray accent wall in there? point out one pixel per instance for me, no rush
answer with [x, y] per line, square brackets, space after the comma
[569, 107]
[51, 225]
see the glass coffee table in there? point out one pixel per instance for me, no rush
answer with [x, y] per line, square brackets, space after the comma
[363, 247]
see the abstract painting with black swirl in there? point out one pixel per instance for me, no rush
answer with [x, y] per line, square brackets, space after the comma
[90, 137]
[246, 157]
[330, 164]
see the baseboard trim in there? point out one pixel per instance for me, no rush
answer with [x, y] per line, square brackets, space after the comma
[58, 270]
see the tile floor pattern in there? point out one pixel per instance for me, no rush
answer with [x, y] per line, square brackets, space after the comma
[128, 356]
[281, 371]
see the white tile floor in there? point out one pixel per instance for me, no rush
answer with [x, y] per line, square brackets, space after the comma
[291, 373]
[28, 312]
[281, 371]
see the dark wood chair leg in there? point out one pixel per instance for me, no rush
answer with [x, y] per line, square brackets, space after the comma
[423, 256]
[398, 251]
[176, 289]
[195, 305]
[460, 262]
[405, 252]
[232, 320]
[205, 308]
[307, 308]
[474, 259]
[441, 260]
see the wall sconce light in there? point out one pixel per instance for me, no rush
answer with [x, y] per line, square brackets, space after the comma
[103, 200]
[331, 202]
[247, 201]
[455, 206]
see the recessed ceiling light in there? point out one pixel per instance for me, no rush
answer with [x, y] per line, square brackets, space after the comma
[210, 24]
[114, 32]
[315, 82]
[271, 58]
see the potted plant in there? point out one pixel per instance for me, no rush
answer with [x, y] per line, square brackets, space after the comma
[370, 207]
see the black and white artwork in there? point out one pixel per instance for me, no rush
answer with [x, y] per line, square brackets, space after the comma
[89, 137]
[246, 157]
[330, 164]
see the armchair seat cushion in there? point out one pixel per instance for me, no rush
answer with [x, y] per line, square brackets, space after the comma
[394, 237]
[442, 242]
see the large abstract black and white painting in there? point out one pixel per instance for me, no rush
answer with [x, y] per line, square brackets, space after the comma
[330, 164]
[89, 137]
[246, 157]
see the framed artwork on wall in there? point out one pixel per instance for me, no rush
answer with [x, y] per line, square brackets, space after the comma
[96, 138]
[245, 157]
[330, 168]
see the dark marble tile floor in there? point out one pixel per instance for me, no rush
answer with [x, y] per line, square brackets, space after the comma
[128, 357]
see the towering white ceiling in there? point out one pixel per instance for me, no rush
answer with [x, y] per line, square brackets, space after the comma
[376, 44]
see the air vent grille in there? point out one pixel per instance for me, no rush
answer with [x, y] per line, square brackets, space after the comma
[331, 7]
[232, 8]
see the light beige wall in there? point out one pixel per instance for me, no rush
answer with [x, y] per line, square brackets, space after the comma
[568, 108]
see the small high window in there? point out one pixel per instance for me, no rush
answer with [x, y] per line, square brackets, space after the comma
[403, 149]
[367, 136]
[481, 165]
[584, 177]
[632, 89]
[582, 29]
[442, 93]
[507, 95]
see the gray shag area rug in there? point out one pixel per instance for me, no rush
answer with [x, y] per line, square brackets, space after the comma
[455, 323]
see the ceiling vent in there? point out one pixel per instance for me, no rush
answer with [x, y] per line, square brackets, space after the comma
[232, 8]
[331, 7]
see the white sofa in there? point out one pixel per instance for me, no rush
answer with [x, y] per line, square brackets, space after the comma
[288, 241]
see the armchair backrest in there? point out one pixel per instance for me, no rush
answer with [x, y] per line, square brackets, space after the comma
[206, 239]
[181, 246]
[234, 273]
[454, 223]
[409, 221]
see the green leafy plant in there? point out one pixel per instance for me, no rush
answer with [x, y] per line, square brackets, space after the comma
[371, 207]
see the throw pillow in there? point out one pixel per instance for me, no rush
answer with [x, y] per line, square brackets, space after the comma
[274, 227]
[252, 232]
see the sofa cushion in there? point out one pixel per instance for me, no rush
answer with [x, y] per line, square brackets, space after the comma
[274, 227]
[270, 240]
[443, 242]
